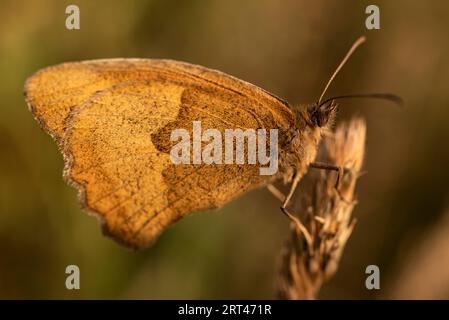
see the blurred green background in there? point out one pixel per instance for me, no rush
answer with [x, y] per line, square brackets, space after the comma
[287, 47]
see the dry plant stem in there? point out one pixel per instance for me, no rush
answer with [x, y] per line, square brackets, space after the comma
[327, 215]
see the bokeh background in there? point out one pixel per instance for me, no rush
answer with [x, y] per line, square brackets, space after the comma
[287, 47]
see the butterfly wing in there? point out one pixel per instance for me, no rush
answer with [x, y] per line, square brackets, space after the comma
[114, 129]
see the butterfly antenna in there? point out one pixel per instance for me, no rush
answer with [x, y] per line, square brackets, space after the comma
[384, 96]
[356, 44]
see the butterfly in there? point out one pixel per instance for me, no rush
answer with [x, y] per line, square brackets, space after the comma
[112, 120]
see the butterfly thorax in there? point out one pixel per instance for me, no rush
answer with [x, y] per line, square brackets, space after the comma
[301, 142]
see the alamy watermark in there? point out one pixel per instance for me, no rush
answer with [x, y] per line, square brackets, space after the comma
[372, 21]
[72, 22]
[72, 282]
[190, 150]
[373, 279]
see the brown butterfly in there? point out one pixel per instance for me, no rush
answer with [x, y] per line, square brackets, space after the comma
[112, 120]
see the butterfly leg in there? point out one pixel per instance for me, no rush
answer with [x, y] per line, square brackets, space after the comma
[327, 166]
[340, 171]
[279, 195]
[276, 192]
[298, 224]
[292, 190]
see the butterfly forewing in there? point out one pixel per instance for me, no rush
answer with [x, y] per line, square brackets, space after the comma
[113, 120]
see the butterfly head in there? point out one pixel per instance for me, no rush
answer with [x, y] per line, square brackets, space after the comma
[320, 114]
[316, 115]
